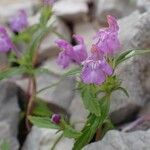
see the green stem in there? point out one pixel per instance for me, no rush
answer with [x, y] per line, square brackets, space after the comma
[57, 140]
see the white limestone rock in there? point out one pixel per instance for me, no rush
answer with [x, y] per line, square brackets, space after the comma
[71, 10]
[115, 140]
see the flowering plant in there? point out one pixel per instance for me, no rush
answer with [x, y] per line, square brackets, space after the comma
[95, 73]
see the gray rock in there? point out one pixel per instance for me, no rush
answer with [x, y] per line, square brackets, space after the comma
[145, 109]
[43, 139]
[141, 123]
[61, 95]
[131, 73]
[5, 135]
[81, 28]
[78, 114]
[117, 8]
[135, 73]
[9, 108]
[115, 140]
[134, 31]
[51, 64]
[143, 5]
[8, 8]
[71, 10]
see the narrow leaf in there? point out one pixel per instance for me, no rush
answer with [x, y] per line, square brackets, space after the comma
[43, 122]
[41, 109]
[123, 90]
[88, 132]
[71, 133]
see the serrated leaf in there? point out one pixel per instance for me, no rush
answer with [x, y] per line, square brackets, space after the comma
[41, 109]
[43, 122]
[88, 132]
[90, 102]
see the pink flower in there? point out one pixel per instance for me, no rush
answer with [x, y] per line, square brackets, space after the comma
[49, 2]
[19, 22]
[107, 39]
[71, 53]
[95, 70]
[5, 41]
[56, 118]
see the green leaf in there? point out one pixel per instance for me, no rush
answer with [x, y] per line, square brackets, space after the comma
[90, 101]
[123, 90]
[128, 54]
[88, 132]
[72, 72]
[10, 72]
[107, 125]
[4, 145]
[43, 122]
[71, 133]
[41, 109]
[46, 13]
[105, 106]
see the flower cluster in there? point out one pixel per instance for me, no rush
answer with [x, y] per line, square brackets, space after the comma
[95, 66]
[5, 41]
[19, 22]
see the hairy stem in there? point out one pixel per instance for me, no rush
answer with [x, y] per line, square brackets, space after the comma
[32, 83]
[57, 140]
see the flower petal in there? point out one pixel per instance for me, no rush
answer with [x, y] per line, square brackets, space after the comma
[90, 76]
[63, 59]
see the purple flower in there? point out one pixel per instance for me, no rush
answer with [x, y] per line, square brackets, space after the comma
[95, 70]
[107, 39]
[19, 22]
[5, 41]
[49, 2]
[56, 118]
[71, 53]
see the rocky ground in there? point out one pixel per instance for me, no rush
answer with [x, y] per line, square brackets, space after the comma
[131, 115]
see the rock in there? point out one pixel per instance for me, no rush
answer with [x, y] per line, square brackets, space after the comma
[117, 8]
[11, 97]
[9, 8]
[86, 30]
[61, 95]
[134, 31]
[5, 135]
[9, 108]
[143, 5]
[71, 10]
[51, 64]
[131, 73]
[141, 123]
[145, 109]
[43, 139]
[135, 73]
[115, 140]
[78, 114]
